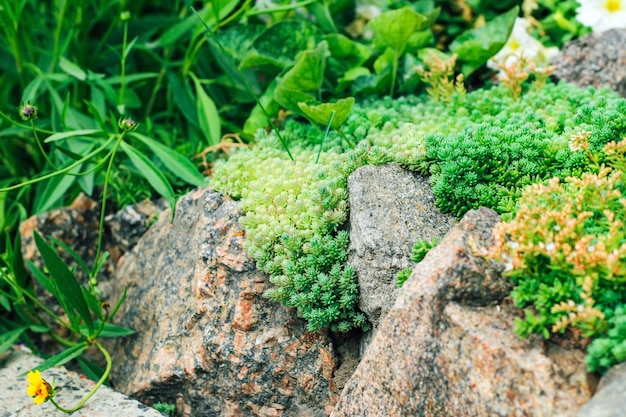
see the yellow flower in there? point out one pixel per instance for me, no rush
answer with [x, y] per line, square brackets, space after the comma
[39, 389]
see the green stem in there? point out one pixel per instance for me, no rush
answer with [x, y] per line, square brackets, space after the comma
[57, 36]
[59, 172]
[104, 202]
[343, 135]
[95, 388]
[23, 126]
[122, 107]
[43, 152]
[394, 70]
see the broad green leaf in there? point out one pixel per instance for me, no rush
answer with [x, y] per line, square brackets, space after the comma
[72, 69]
[476, 46]
[175, 162]
[350, 76]
[8, 339]
[393, 28]
[237, 40]
[320, 113]
[151, 173]
[384, 61]
[63, 357]
[74, 133]
[208, 117]
[373, 84]
[67, 285]
[303, 81]
[345, 53]
[282, 42]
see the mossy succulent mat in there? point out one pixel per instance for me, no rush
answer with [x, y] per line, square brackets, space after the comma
[479, 149]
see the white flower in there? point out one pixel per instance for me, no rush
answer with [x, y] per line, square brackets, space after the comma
[521, 43]
[601, 15]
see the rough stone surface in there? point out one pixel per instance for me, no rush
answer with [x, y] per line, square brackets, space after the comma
[447, 349]
[609, 399]
[596, 60]
[78, 225]
[15, 403]
[390, 210]
[206, 337]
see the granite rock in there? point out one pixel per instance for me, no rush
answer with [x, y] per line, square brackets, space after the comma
[72, 388]
[390, 210]
[447, 347]
[608, 401]
[206, 337]
[595, 60]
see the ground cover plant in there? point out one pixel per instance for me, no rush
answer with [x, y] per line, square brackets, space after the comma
[115, 99]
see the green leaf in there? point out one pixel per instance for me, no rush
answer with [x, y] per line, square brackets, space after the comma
[94, 303]
[68, 249]
[111, 330]
[151, 173]
[279, 44]
[350, 76]
[304, 80]
[68, 287]
[43, 280]
[63, 357]
[476, 46]
[183, 99]
[347, 52]
[175, 162]
[257, 118]
[72, 69]
[91, 370]
[7, 339]
[55, 190]
[320, 113]
[384, 61]
[74, 133]
[393, 28]
[237, 40]
[208, 117]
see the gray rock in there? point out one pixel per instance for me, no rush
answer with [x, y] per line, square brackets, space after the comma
[72, 388]
[609, 399]
[447, 348]
[207, 339]
[78, 226]
[390, 210]
[595, 60]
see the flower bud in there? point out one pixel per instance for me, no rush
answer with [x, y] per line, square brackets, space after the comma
[127, 124]
[28, 112]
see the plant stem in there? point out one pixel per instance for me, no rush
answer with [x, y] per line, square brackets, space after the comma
[43, 152]
[104, 202]
[122, 106]
[57, 36]
[394, 70]
[95, 388]
[60, 171]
